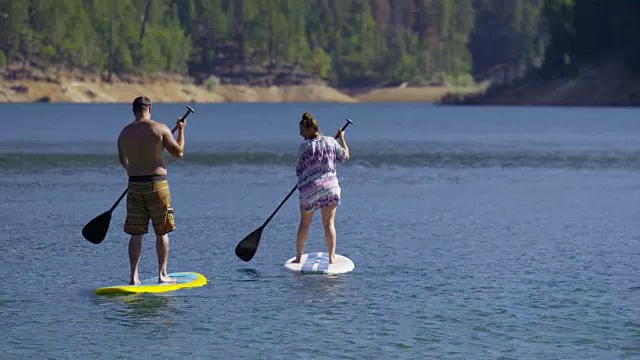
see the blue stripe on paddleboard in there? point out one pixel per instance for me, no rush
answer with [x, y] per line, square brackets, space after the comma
[180, 277]
[324, 263]
[310, 262]
[316, 262]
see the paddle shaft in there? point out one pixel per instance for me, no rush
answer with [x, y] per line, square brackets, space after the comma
[296, 187]
[189, 111]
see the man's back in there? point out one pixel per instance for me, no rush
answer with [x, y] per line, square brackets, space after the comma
[141, 143]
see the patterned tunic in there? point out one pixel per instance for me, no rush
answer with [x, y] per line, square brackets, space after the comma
[316, 171]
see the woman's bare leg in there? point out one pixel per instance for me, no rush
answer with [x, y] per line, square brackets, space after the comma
[328, 222]
[303, 232]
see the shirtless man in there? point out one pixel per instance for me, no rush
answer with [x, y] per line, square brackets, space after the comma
[141, 145]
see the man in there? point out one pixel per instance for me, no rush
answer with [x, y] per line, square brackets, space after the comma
[141, 145]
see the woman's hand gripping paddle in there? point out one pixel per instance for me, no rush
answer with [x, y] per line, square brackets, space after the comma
[96, 230]
[247, 248]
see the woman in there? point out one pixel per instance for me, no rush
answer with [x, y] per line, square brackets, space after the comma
[317, 181]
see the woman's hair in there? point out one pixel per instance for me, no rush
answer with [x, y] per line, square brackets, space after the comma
[309, 122]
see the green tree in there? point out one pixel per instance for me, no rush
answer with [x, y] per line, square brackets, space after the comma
[14, 27]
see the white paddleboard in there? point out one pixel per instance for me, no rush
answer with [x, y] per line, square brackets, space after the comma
[318, 263]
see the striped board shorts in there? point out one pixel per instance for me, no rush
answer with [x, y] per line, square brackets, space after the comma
[149, 200]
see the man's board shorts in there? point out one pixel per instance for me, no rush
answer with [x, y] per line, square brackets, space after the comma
[149, 198]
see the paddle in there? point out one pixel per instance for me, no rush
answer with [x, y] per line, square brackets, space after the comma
[96, 230]
[247, 248]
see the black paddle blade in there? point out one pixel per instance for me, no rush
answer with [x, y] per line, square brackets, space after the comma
[247, 248]
[96, 230]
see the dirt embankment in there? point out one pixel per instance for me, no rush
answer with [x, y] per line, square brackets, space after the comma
[602, 85]
[94, 90]
[89, 88]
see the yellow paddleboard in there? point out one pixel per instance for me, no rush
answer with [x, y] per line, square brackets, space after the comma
[185, 280]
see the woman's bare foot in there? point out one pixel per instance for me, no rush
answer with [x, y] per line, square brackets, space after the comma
[135, 281]
[166, 280]
[332, 259]
[296, 261]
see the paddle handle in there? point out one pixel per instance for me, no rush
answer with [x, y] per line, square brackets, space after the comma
[349, 122]
[184, 117]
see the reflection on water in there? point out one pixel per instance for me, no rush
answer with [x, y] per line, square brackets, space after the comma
[317, 287]
[249, 274]
[135, 309]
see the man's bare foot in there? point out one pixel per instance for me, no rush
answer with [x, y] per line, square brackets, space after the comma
[166, 280]
[332, 259]
[134, 282]
[296, 261]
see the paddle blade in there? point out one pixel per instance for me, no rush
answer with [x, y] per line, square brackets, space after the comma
[247, 248]
[96, 230]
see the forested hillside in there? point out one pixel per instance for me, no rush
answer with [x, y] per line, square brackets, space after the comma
[591, 57]
[346, 42]
[349, 43]
[590, 31]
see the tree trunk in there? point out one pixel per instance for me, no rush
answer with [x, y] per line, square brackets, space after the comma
[144, 19]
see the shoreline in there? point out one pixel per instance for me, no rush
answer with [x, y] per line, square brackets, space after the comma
[82, 88]
[604, 85]
[593, 85]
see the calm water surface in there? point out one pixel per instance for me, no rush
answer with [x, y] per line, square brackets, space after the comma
[477, 233]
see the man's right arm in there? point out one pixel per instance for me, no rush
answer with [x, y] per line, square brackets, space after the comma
[343, 142]
[175, 148]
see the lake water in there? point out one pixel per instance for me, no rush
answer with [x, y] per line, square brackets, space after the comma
[477, 233]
